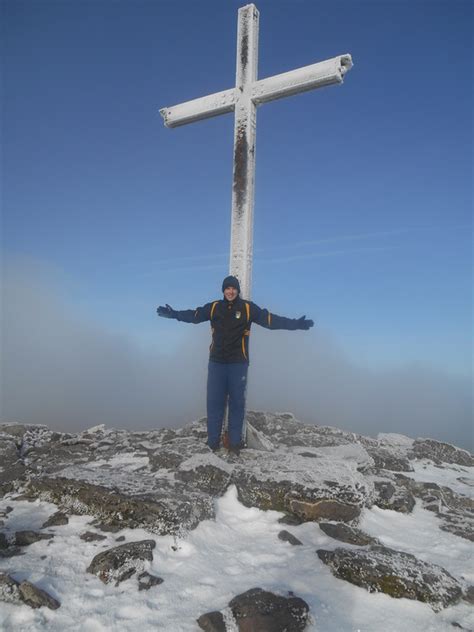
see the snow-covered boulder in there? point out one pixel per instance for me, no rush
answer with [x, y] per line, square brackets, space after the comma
[395, 573]
[440, 452]
[121, 562]
[261, 610]
[313, 484]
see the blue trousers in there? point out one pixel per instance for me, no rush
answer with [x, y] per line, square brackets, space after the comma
[226, 380]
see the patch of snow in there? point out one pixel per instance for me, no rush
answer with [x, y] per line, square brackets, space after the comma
[98, 428]
[395, 440]
[204, 460]
[458, 477]
[221, 558]
[418, 533]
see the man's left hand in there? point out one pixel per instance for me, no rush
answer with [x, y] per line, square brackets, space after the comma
[304, 323]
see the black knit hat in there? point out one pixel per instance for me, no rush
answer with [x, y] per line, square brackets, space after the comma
[231, 281]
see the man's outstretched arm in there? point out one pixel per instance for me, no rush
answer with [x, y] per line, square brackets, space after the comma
[267, 319]
[195, 316]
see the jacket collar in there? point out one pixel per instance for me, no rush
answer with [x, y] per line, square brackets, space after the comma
[236, 301]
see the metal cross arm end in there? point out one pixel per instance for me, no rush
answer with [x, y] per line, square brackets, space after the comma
[324, 73]
[198, 109]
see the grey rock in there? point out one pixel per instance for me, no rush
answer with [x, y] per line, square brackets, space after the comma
[4, 543]
[286, 536]
[391, 495]
[300, 486]
[468, 594]
[20, 430]
[165, 459]
[12, 429]
[25, 538]
[345, 533]
[455, 511]
[466, 481]
[212, 622]
[36, 597]
[395, 573]
[59, 518]
[440, 452]
[121, 538]
[264, 611]
[25, 592]
[90, 536]
[285, 429]
[171, 510]
[385, 459]
[209, 478]
[11, 551]
[108, 528]
[146, 581]
[290, 519]
[324, 509]
[9, 589]
[12, 468]
[121, 562]
[257, 440]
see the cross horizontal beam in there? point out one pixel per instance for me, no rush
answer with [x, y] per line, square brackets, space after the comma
[319, 75]
[198, 109]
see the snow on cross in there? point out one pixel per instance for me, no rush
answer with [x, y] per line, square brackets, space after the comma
[243, 100]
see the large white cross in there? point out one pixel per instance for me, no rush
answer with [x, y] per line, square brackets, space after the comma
[243, 100]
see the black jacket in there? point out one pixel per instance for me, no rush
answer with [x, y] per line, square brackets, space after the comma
[230, 326]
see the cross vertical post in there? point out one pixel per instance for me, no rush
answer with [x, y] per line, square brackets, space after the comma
[243, 99]
[245, 127]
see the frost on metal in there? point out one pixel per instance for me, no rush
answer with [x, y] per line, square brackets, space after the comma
[324, 73]
[199, 109]
[243, 100]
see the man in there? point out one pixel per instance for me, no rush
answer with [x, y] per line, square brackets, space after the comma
[230, 319]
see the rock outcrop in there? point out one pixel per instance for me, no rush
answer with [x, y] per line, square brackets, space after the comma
[166, 481]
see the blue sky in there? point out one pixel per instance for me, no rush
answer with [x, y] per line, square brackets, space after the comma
[363, 191]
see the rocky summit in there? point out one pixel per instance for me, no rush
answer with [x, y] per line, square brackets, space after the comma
[166, 481]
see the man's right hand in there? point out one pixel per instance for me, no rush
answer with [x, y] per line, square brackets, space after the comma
[166, 312]
[304, 323]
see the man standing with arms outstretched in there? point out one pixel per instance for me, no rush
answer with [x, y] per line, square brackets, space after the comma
[231, 318]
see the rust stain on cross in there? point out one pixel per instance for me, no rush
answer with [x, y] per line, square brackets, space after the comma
[244, 51]
[240, 170]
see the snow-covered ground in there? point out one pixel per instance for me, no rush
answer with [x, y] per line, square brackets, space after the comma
[224, 557]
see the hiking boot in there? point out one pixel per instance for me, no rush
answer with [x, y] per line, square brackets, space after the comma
[234, 450]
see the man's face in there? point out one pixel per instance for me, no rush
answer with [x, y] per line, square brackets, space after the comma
[230, 293]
